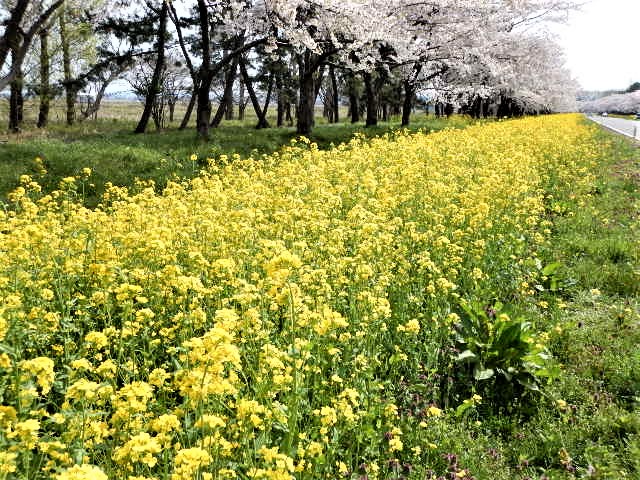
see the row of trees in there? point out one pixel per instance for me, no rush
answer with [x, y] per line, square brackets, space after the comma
[378, 57]
[622, 102]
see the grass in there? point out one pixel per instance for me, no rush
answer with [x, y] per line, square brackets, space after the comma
[590, 425]
[628, 116]
[116, 155]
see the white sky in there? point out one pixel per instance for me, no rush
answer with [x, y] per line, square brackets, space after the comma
[602, 44]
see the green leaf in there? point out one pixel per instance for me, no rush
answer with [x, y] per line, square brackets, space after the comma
[463, 407]
[466, 355]
[485, 374]
[529, 385]
[551, 268]
[508, 335]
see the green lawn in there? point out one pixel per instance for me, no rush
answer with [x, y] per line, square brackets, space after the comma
[594, 431]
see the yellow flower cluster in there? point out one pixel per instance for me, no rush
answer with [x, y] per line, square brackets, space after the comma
[256, 319]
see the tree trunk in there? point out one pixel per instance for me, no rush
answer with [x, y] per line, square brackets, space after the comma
[407, 105]
[336, 95]
[306, 102]
[354, 108]
[45, 87]
[502, 107]
[70, 90]
[93, 110]
[327, 110]
[192, 103]
[155, 87]
[227, 96]
[287, 114]
[228, 109]
[372, 101]
[262, 121]
[317, 82]
[187, 114]
[203, 112]
[267, 101]
[16, 102]
[241, 103]
[385, 112]
[280, 105]
[476, 107]
[226, 102]
[448, 109]
[485, 108]
[207, 71]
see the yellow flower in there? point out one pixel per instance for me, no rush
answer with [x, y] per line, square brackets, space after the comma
[82, 472]
[42, 369]
[81, 364]
[314, 449]
[395, 444]
[26, 432]
[434, 411]
[46, 294]
[67, 181]
[188, 461]
[328, 416]
[5, 361]
[97, 339]
[140, 448]
[210, 421]
[412, 326]
[342, 468]
[106, 369]
[165, 423]
[7, 463]
[158, 376]
[390, 410]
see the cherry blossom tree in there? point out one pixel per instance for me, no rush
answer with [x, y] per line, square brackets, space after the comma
[463, 51]
[623, 103]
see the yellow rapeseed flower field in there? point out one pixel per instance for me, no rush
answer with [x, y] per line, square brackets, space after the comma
[255, 321]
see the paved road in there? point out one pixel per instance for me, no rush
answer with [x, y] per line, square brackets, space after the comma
[620, 125]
